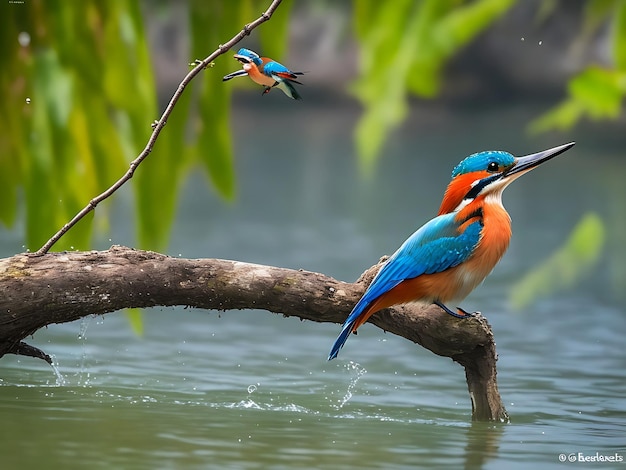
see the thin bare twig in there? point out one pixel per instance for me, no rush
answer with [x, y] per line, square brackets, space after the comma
[158, 126]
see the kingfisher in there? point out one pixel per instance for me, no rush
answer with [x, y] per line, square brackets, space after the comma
[445, 259]
[266, 72]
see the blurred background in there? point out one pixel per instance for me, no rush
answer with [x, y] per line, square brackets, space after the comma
[395, 94]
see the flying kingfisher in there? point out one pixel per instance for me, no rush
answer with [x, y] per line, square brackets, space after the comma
[266, 72]
[445, 259]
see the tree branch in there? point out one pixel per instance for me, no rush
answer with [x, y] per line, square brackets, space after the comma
[158, 126]
[62, 287]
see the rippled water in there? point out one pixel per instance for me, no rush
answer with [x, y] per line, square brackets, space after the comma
[254, 390]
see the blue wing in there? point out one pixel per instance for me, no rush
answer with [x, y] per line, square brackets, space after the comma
[433, 248]
[271, 68]
[279, 72]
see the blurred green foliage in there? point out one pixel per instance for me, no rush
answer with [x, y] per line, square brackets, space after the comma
[566, 266]
[78, 99]
[404, 46]
[596, 92]
[71, 118]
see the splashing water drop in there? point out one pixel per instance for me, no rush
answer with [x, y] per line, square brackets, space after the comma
[82, 333]
[252, 388]
[82, 336]
[359, 372]
[55, 367]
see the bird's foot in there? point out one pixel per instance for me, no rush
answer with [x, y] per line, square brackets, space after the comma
[266, 90]
[461, 313]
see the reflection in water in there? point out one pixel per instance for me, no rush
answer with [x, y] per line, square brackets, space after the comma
[482, 443]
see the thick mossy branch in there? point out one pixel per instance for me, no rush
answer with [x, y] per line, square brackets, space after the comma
[62, 287]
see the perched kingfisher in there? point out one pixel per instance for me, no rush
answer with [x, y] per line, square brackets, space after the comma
[445, 259]
[266, 72]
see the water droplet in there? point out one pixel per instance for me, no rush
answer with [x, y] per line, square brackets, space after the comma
[27, 100]
[252, 388]
[540, 43]
[360, 371]
[60, 380]
[522, 38]
[23, 38]
[82, 333]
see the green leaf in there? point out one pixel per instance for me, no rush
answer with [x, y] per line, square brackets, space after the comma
[566, 267]
[595, 92]
[619, 36]
[363, 12]
[595, 13]
[273, 34]
[135, 319]
[462, 24]
[213, 146]
[214, 142]
[385, 64]
[561, 117]
[404, 46]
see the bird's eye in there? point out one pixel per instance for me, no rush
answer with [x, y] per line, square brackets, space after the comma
[493, 167]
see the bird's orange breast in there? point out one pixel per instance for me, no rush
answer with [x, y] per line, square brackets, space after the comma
[255, 74]
[493, 243]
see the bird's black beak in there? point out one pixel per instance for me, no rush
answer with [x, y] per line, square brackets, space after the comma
[242, 58]
[527, 163]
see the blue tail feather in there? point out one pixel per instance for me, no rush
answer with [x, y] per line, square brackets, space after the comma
[356, 312]
[341, 340]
